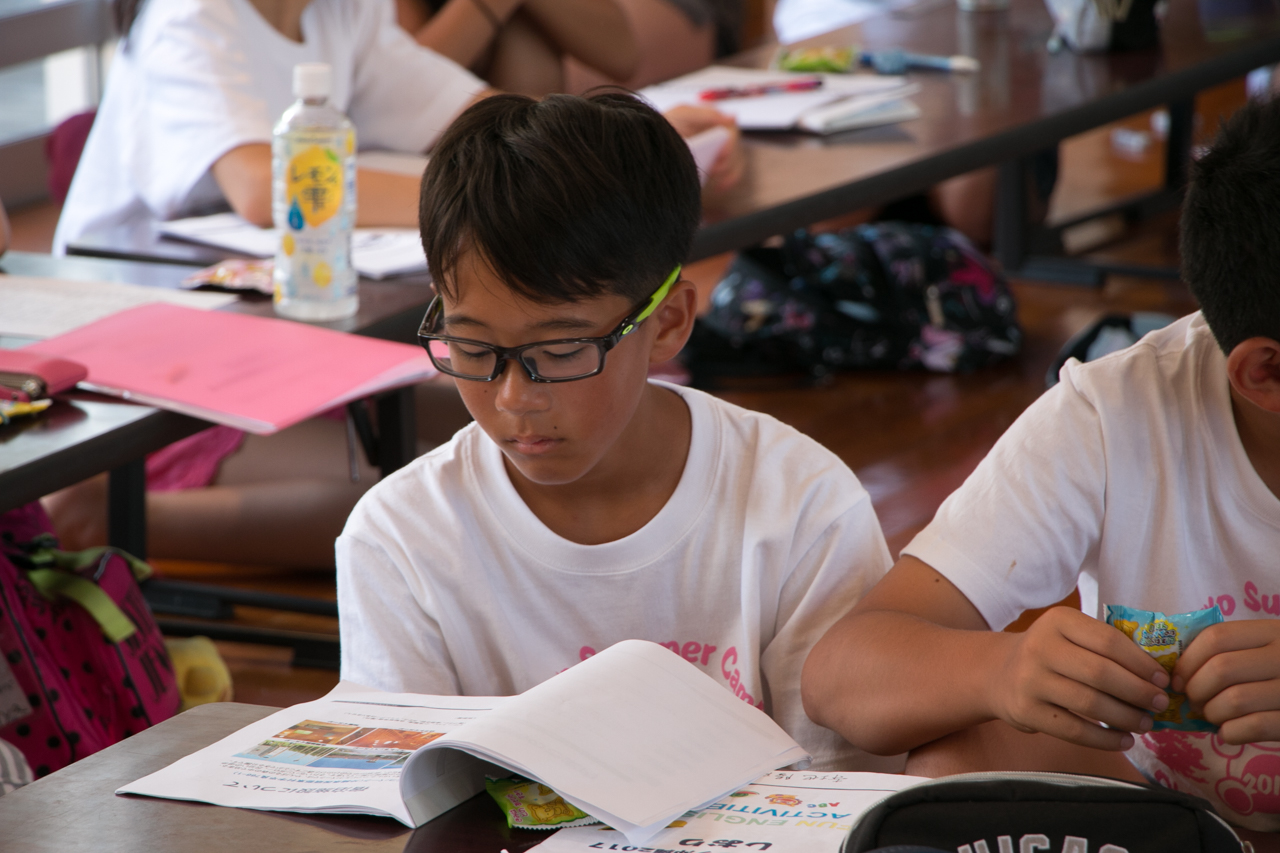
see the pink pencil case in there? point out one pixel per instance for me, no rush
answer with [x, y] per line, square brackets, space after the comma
[27, 376]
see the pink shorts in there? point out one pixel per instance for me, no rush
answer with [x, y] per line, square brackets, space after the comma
[1242, 782]
[193, 462]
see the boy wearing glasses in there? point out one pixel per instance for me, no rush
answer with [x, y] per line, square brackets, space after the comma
[588, 505]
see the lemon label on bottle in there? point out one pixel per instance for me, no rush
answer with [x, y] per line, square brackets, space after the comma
[321, 274]
[286, 244]
[314, 183]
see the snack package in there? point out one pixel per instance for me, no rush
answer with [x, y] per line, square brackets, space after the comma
[1164, 638]
[533, 805]
[830, 59]
[236, 275]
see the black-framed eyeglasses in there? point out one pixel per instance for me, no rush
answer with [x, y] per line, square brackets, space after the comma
[560, 360]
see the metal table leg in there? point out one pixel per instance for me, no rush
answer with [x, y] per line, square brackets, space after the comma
[127, 508]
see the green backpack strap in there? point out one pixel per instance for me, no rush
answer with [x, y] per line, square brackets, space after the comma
[110, 618]
[54, 574]
[74, 561]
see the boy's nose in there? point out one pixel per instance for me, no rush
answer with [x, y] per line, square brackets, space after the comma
[518, 394]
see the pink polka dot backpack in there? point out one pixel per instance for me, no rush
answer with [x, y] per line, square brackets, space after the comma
[86, 662]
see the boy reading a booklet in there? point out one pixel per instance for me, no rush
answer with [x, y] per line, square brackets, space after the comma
[1150, 478]
[586, 504]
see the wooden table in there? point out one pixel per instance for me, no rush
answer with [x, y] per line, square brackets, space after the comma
[1023, 100]
[74, 809]
[82, 435]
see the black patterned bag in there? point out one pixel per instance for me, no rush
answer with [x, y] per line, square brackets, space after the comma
[886, 295]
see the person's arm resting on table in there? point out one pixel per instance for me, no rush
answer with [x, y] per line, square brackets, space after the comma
[915, 661]
[244, 175]
[385, 199]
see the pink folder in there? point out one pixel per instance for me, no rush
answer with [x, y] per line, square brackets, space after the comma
[254, 373]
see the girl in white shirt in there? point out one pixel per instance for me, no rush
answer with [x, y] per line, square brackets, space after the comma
[185, 124]
[185, 127]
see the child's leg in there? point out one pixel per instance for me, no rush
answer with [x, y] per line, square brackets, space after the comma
[278, 500]
[668, 42]
[524, 60]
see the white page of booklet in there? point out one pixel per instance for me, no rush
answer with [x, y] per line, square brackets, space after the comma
[677, 740]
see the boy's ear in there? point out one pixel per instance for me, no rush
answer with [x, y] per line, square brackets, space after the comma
[1253, 369]
[674, 319]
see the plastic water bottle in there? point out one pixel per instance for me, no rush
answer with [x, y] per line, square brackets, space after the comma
[313, 172]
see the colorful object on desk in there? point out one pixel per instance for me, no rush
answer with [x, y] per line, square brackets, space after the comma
[257, 374]
[897, 61]
[202, 675]
[27, 375]
[829, 59]
[842, 60]
[1165, 638]
[726, 92]
[235, 274]
[10, 409]
[532, 805]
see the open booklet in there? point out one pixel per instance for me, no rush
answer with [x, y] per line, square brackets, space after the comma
[786, 811]
[841, 102]
[634, 736]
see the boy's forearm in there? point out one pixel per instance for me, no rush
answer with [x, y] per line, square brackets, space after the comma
[889, 681]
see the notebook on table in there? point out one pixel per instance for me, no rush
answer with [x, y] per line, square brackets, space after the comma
[375, 252]
[257, 374]
[841, 102]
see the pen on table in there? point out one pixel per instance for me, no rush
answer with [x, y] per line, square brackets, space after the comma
[725, 92]
[898, 61]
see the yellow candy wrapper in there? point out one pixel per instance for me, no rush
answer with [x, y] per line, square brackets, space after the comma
[830, 59]
[532, 805]
[1165, 638]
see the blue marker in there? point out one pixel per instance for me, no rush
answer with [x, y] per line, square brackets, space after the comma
[898, 61]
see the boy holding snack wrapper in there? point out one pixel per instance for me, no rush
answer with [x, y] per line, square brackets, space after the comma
[1149, 479]
[587, 504]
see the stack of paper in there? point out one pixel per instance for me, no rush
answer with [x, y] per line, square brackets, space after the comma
[842, 102]
[375, 252]
[254, 373]
[37, 308]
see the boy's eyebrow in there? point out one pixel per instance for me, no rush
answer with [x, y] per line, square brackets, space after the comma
[564, 324]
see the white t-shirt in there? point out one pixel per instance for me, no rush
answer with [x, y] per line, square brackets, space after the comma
[1127, 477]
[449, 584]
[196, 78]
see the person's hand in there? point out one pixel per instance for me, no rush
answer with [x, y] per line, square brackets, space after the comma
[731, 163]
[1069, 672]
[1231, 674]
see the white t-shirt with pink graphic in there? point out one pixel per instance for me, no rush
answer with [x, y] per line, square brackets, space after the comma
[449, 584]
[1128, 478]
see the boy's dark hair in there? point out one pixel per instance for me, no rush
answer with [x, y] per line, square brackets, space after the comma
[565, 198]
[1231, 228]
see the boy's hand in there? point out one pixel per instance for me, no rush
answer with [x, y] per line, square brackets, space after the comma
[1069, 670]
[731, 163]
[1231, 672]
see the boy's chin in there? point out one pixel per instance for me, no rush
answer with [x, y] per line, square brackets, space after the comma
[545, 470]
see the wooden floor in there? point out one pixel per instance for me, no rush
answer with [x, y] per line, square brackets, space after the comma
[911, 438]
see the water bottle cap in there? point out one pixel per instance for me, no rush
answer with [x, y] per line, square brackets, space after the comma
[312, 80]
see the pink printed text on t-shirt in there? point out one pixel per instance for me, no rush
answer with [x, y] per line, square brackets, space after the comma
[1253, 600]
[700, 653]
